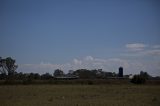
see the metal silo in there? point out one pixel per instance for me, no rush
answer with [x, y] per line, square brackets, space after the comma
[120, 74]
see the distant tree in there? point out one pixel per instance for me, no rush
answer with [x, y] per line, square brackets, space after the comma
[7, 66]
[19, 76]
[138, 79]
[2, 66]
[31, 76]
[3, 76]
[85, 74]
[110, 74]
[98, 73]
[37, 76]
[10, 63]
[46, 76]
[70, 72]
[145, 75]
[58, 73]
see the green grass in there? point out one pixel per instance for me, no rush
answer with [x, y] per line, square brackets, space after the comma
[80, 95]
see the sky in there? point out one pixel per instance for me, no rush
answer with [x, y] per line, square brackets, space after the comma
[43, 35]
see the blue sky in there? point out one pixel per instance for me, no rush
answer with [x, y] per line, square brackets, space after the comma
[43, 35]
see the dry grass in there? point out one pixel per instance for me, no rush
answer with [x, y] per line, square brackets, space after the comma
[80, 95]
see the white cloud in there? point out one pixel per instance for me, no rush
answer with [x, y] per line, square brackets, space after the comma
[100, 60]
[89, 58]
[156, 46]
[42, 67]
[139, 49]
[89, 62]
[152, 52]
[136, 46]
[77, 62]
[115, 60]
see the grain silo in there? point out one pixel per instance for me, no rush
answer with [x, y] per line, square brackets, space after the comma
[120, 74]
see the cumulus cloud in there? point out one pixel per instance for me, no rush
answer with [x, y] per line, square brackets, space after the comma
[156, 46]
[42, 67]
[146, 54]
[90, 62]
[136, 46]
[89, 58]
[77, 62]
[152, 52]
[139, 49]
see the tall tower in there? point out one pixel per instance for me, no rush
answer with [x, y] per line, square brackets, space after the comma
[120, 74]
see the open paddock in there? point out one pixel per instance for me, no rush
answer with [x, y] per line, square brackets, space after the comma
[80, 95]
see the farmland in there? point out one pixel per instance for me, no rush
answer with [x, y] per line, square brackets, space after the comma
[80, 95]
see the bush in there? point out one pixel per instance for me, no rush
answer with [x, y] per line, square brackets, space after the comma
[138, 79]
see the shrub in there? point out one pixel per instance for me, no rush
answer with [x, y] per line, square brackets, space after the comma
[138, 79]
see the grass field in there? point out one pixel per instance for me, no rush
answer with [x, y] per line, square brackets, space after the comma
[80, 95]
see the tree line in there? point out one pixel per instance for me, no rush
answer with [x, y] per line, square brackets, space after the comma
[8, 72]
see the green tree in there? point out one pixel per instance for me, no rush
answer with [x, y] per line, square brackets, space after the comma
[46, 76]
[85, 74]
[138, 79]
[145, 75]
[58, 73]
[8, 66]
